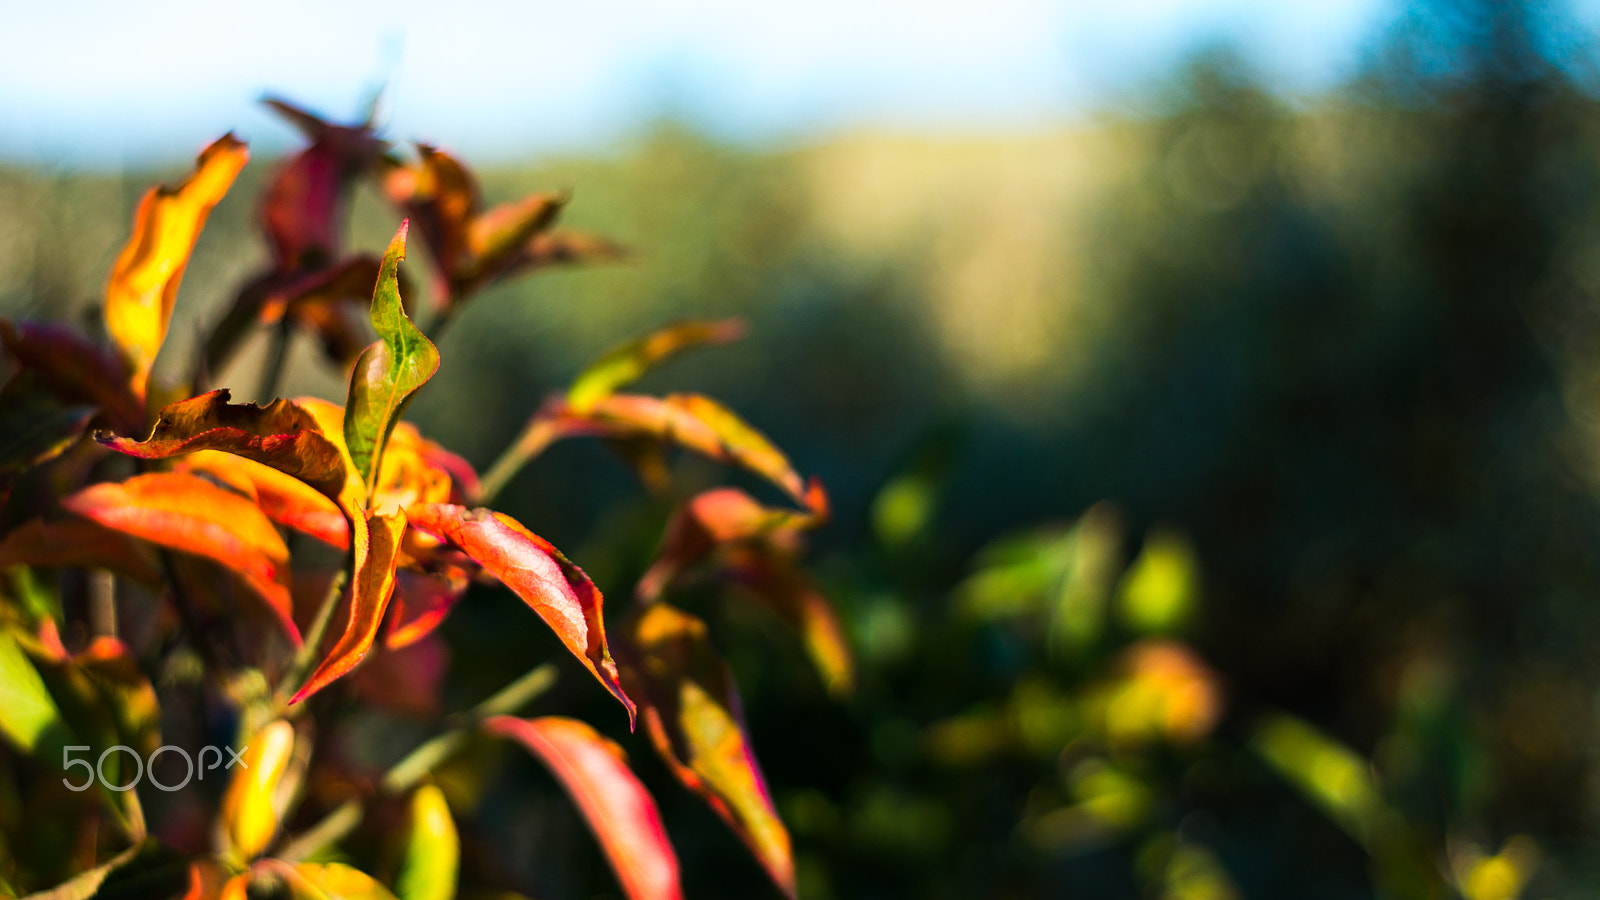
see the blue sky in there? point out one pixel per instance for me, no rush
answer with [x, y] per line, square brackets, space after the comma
[103, 83]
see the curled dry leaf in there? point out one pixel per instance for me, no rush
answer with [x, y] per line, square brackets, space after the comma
[144, 280]
[692, 714]
[620, 812]
[281, 435]
[188, 513]
[536, 572]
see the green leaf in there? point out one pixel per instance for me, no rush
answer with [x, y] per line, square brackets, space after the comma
[628, 362]
[388, 372]
[29, 717]
[433, 850]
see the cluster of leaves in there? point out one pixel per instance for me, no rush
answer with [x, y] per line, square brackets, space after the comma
[166, 514]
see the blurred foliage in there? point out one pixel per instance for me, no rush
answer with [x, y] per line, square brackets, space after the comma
[1332, 362]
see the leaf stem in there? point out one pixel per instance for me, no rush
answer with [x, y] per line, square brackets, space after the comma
[538, 435]
[424, 758]
[307, 654]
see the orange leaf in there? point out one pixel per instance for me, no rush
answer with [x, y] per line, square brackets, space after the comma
[535, 571]
[620, 812]
[722, 516]
[281, 435]
[189, 513]
[691, 711]
[421, 602]
[700, 424]
[77, 543]
[144, 281]
[377, 549]
[286, 500]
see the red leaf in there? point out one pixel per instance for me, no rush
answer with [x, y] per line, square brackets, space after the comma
[377, 549]
[77, 543]
[535, 571]
[421, 602]
[722, 516]
[620, 812]
[188, 513]
[691, 711]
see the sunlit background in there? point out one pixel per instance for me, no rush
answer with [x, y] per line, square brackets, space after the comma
[1207, 390]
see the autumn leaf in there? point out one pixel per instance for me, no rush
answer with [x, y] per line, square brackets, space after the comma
[302, 207]
[692, 714]
[77, 543]
[723, 516]
[334, 881]
[281, 435]
[144, 280]
[628, 362]
[188, 513]
[565, 247]
[388, 372]
[536, 572]
[692, 421]
[251, 811]
[432, 849]
[377, 550]
[330, 303]
[620, 812]
[284, 499]
[421, 602]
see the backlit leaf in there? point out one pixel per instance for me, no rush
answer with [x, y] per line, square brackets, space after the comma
[77, 543]
[388, 372]
[285, 499]
[376, 552]
[335, 881]
[188, 513]
[432, 851]
[29, 717]
[620, 812]
[281, 435]
[692, 714]
[535, 571]
[251, 812]
[628, 362]
[144, 281]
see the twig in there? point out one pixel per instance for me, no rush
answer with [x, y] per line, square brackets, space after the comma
[276, 356]
[307, 653]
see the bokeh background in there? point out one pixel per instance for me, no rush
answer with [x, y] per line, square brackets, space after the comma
[1208, 394]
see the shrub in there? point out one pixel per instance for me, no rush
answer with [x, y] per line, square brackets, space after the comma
[175, 563]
